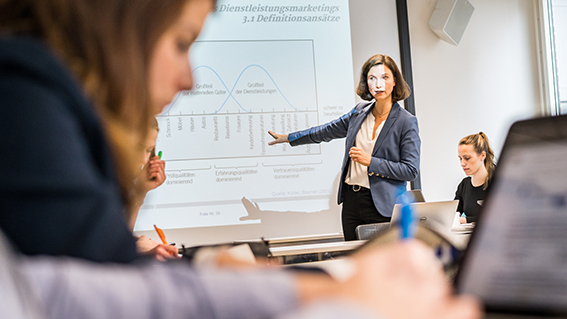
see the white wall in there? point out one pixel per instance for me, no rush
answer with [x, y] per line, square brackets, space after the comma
[484, 84]
[372, 31]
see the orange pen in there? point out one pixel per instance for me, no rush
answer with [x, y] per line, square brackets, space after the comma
[162, 237]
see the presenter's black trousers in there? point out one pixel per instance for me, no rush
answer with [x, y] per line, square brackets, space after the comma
[358, 209]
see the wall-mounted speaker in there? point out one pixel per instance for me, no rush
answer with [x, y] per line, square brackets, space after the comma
[450, 19]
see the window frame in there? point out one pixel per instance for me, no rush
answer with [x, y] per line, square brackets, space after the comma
[549, 86]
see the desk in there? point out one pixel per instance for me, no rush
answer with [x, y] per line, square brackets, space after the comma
[294, 253]
[302, 240]
[316, 248]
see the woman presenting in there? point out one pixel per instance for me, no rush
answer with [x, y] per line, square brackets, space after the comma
[382, 148]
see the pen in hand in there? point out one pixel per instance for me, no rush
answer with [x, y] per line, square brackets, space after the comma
[162, 237]
[153, 154]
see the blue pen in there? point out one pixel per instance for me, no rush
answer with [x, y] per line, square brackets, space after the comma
[407, 220]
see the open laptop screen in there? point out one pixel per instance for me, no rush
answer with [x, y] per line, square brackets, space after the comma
[517, 257]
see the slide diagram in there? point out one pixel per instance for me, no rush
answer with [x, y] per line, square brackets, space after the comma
[255, 90]
[215, 138]
[249, 77]
[220, 170]
[242, 89]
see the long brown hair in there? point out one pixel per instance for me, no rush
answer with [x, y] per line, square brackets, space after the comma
[107, 44]
[401, 89]
[480, 144]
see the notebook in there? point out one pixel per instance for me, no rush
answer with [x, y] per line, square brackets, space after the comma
[516, 261]
[438, 216]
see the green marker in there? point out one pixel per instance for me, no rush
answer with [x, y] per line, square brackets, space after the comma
[159, 154]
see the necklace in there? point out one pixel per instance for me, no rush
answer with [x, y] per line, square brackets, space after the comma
[380, 115]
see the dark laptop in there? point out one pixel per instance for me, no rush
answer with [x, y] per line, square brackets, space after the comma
[516, 261]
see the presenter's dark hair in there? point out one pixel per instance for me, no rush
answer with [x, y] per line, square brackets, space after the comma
[480, 144]
[401, 89]
[107, 45]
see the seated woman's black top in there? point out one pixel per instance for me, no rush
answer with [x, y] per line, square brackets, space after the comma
[468, 196]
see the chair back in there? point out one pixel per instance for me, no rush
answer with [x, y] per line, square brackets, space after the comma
[364, 232]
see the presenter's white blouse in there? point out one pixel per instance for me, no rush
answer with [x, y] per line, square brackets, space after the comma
[358, 173]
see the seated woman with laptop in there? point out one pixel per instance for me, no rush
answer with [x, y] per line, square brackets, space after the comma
[477, 161]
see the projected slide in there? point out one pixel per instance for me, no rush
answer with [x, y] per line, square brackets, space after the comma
[271, 87]
[280, 67]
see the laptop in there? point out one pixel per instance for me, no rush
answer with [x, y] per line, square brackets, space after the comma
[516, 261]
[438, 216]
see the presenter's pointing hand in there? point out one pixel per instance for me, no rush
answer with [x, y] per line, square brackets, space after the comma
[278, 138]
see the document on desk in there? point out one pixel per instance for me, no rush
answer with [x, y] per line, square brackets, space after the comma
[519, 256]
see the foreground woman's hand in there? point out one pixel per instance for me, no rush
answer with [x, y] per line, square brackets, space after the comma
[395, 281]
[161, 252]
[405, 280]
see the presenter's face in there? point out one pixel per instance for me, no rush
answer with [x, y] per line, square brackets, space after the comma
[169, 69]
[381, 82]
[471, 162]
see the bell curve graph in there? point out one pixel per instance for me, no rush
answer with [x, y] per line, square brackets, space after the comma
[241, 90]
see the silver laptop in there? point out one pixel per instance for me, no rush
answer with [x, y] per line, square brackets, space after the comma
[438, 216]
[516, 261]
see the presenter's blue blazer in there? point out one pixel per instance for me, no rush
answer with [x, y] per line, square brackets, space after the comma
[396, 154]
